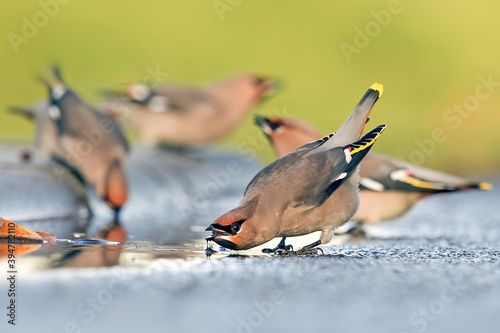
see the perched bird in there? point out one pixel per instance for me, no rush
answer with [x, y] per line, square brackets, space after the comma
[85, 140]
[389, 187]
[190, 115]
[314, 188]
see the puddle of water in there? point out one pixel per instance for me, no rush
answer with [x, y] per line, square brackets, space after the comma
[101, 243]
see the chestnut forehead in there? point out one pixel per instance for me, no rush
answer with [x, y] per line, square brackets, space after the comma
[226, 221]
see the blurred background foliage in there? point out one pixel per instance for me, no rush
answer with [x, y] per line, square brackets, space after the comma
[428, 57]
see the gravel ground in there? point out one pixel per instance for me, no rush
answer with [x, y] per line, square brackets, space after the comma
[436, 269]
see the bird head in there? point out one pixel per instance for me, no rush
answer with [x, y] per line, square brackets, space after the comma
[114, 192]
[286, 134]
[236, 229]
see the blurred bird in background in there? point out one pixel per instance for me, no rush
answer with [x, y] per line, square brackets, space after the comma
[190, 115]
[314, 188]
[388, 186]
[83, 139]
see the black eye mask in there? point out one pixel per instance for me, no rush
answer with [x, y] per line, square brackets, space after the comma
[231, 229]
[274, 126]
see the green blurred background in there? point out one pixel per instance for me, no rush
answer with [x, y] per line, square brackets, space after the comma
[429, 57]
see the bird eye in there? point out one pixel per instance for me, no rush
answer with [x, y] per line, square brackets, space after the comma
[235, 227]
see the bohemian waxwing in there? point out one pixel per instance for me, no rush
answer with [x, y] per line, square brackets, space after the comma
[314, 188]
[190, 115]
[389, 187]
[86, 140]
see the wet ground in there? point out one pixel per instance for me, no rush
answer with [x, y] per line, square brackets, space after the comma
[437, 269]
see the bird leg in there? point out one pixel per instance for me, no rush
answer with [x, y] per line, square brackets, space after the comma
[280, 248]
[310, 249]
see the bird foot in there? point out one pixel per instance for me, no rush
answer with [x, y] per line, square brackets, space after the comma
[309, 251]
[287, 250]
[305, 251]
[279, 249]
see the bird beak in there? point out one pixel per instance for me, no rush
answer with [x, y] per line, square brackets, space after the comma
[216, 232]
[211, 237]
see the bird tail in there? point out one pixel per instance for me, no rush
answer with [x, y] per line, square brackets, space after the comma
[354, 154]
[52, 78]
[360, 148]
[480, 186]
[405, 180]
[353, 127]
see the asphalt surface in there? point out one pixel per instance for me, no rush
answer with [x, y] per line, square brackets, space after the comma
[436, 269]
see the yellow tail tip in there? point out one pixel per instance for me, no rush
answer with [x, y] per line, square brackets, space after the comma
[378, 87]
[485, 186]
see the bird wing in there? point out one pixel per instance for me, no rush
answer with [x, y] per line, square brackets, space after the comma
[180, 99]
[343, 161]
[113, 128]
[384, 173]
[281, 165]
[329, 167]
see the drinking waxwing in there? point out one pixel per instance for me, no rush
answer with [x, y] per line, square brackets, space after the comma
[314, 188]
